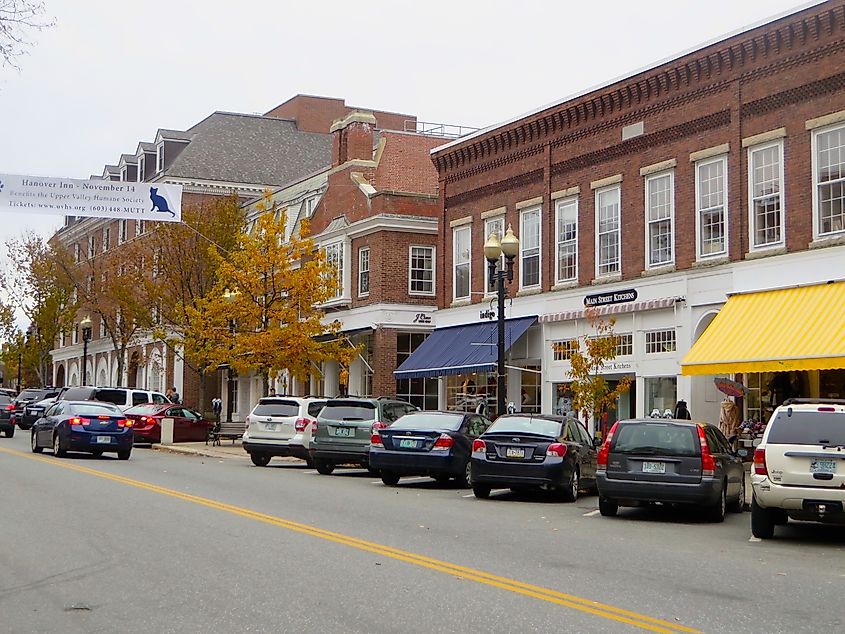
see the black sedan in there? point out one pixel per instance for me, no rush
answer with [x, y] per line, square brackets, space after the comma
[85, 426]
[524, 451]
[28, 405]
[7, 407]
[434, 444]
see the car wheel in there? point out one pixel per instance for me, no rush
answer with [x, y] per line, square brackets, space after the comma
[10, 432]
[481, 491]
[390, 478]
[124, 455]
[58, 448]
[570, 491]
[762, 521]
[259, 459]
[34, 444]
[465, 479]
[717, 513]
[739, 505]
[607, 508]
[323, 467]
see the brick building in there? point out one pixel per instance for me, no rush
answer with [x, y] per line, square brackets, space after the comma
[655, 197]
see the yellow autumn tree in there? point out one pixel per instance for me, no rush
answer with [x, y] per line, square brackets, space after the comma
[264, 315]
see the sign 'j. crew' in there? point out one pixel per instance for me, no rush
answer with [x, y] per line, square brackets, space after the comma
[90, 198]
[611, 297]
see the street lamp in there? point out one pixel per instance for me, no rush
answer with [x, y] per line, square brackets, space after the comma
[20, 355]
[85, 324]
[493, 250]
[229, 297]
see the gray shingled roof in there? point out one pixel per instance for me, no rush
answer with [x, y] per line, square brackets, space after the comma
[250, 149]
[129, 159]
[143, 146]
[179, 135]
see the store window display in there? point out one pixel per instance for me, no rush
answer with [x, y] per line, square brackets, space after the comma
[661, 394]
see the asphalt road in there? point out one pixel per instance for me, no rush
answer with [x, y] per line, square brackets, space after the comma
[172, 543]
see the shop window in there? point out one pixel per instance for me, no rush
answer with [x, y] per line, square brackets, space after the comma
[531, 390]
[567, 240]
[491, 226]
[607, 231]
[659, 219]
[711, 206]
[657, 341]
[563, 403]
[832, 383]
[461, 257]
[422, 392]
[765, 174]
[364, 272]
[421, 273]
[564, 348]
[529, 242]
[829, 175]
[661, 394]
[466, 392]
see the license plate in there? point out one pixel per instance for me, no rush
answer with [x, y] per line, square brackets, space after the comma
[823, 466]
[270, 426]
[104, 439]
[514, 452]
[654, 467]
[343, 431]
[405, 443]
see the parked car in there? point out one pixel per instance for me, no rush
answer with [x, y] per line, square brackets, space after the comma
[434, 444]
[8, 392]
[799, 467]
[123, 397]
[669, 461]
[281, 426]
[518, 451]
[83, 426]
[27, 410]
[7, 406]
[188, 425]
[345, 427]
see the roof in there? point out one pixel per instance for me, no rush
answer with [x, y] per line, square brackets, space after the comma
[129, 159]
[239, 148]
[173, 135]
[144, 147]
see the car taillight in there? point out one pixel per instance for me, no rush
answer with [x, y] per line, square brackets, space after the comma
[708, 463]
[10, 407]
[604, 450]
[443, 443]
[301, 424]
[378, 425]
[314, 428]
[556, 449]
[375, 440]
[76, 420]
[479, 446]
[128, 422]
[760, 467]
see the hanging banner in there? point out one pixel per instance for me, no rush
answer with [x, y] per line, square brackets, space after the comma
[90, 198]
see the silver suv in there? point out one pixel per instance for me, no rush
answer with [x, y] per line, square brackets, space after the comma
[799, 467]
[281, 426]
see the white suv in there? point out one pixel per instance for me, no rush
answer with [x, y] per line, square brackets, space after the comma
[799, 467]
[281, 426]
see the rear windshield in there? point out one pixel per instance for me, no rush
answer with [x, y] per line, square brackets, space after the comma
[77, 394]
[5, 399]
[315, 408]
[149, 408]
[118, 397]
[93, 409]
[424, 420]
[656, 438]
[267, 407]
[808, 428]
[30, 395]
[525, 424]
[348, 410]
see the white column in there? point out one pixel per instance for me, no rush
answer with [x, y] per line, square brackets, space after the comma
[178, 372]
[332, 382]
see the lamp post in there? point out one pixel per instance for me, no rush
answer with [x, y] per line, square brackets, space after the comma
[493, 250]
[20, 356]
[85, 324]
[229, 297]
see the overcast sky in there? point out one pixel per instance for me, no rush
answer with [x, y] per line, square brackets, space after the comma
[109, 74]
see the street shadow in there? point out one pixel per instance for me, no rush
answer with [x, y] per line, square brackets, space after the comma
[81, 455]
[809, 534]
[295, 466]
[665, 514]
[351, 472]
[535, 496]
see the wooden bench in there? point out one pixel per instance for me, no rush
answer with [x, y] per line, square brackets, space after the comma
[233, 430]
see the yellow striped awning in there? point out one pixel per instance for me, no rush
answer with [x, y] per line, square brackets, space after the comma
[801, 328]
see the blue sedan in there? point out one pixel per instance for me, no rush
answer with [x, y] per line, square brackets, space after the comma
[87, 426]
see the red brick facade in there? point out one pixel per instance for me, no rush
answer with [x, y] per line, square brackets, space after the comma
[316, 114]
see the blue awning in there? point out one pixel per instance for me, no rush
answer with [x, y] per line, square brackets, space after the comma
[461, 349]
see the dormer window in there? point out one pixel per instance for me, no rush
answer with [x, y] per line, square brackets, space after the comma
[160, 157]
[310, 204]
[140, 175]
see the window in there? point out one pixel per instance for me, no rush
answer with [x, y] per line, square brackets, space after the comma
[367, 374]
[155, 315]
[462, 245]
[659, 197]
[92, 246]
[156, 263]
[829, 175]
[564, 348]
[334, 257]
[661, 394]
[529, 243]
[106, 239]
[102, 327]
[123, 173]
[766, 174]
[421, 273]
[364, 272]
[140, 175]
[657, 341]
[160, 157]
[491, 226]
[310, 204]
[711, 206]
[124, 231]
[75, 334]
[624, 344]
[421, 392]
[567, 240]
[140, 227]
[607, 231]
[77, 253]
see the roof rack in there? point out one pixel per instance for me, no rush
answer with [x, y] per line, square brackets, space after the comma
[814, 401]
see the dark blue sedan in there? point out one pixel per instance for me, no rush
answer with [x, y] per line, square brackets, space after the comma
[87, 426]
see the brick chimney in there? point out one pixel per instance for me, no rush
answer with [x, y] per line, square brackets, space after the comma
[352, 138]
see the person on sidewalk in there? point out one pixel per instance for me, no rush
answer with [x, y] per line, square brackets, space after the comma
[173, 395]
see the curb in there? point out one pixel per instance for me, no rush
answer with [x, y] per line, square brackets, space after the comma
[190, 451]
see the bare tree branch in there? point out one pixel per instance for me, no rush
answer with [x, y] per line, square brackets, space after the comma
[17, 18]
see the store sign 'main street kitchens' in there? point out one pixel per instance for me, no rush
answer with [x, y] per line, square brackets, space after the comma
[611, 297]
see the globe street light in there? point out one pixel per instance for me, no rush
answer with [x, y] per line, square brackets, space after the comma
[493, 250]
[85, 324]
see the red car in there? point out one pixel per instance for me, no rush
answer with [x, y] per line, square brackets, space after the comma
[188, 425]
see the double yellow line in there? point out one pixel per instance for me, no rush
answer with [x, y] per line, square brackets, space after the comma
[537, 592]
